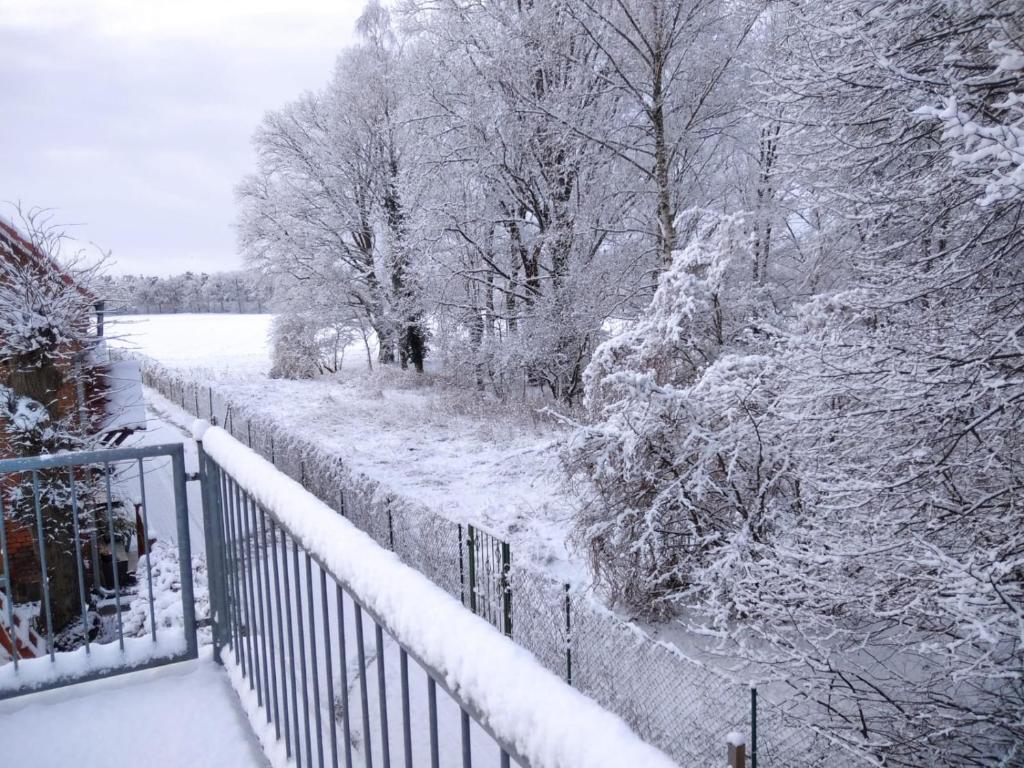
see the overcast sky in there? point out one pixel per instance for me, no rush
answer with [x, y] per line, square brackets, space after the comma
[133, 118]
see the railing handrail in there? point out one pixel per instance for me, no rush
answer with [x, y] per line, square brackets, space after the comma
[347, 554]
[79, 458]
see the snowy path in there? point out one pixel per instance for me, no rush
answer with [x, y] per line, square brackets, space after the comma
[181, 715]
[160, 430]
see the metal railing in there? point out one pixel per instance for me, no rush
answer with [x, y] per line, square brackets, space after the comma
[685, 708]
[320, 663]
[69, 577]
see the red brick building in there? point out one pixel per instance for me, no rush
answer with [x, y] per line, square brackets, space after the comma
[88, 390]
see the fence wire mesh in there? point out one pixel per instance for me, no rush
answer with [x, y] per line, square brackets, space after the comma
[679, 705]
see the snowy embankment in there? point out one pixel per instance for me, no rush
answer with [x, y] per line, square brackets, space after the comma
[471, 462]
[543, 719]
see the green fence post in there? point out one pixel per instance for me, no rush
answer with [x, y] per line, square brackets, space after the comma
[506, 587]
[568, 638]
[753, 727]
[471, 550]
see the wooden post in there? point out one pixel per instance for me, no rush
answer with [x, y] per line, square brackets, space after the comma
[737, 750]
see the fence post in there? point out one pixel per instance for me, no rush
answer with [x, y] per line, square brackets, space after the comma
[506, 587]
[215, 568]
[568, 637]
[462, 567]
[753, 727]
[737, 751]
[471, 551]
[184, 550]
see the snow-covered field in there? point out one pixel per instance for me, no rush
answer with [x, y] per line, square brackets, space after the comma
[223, 343]
[472, 462]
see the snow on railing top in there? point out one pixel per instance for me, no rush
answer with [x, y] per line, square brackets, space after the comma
[545, 721]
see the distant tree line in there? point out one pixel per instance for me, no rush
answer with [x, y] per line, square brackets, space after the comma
[238, 292]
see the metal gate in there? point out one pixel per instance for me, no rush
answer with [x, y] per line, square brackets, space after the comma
[68, 522]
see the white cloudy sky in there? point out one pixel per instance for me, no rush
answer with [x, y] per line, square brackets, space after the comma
[132, 118]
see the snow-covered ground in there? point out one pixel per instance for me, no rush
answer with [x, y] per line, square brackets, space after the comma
[184, 714]
[473, 462]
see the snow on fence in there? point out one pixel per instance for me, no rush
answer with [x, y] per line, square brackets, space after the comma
[677, 703]
[338, 581]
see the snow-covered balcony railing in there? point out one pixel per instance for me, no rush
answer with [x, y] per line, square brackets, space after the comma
[343, 655]
[66, 523]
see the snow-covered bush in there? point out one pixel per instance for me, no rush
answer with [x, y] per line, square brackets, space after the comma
[295, 351]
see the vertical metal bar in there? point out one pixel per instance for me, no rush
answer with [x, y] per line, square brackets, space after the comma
[328, 666]
[113, 557]
[215, 572]
[248, 568]
[432, 718]
[149, 555]
[280, 637]
[291, 646]
[247, 601]
[238, 644]
[302, 650]
[188, 600]
[346, 725]
[245, 621]
[79, 565]
[382, 696]
[313, 661]
[503, 759]
[15, 655]
[403, 665]
[467, 748]
[231, 569]
[256, 588]
[45, 570]
[363, 697]
[267, 620]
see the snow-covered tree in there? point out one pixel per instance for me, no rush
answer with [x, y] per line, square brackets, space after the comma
[832, 491]
[46, 368]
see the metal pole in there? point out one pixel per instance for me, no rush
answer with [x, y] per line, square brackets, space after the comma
[302, 649]
[471, 551]
[432, 719]
[329, 668]
[188, 601]
[346, 725]
[313, 661]
[403, 665]
[79, 567]
[280, 636]
[382, 696]
[363, 696]
[753, 727]
[149, 555]
[45, 572]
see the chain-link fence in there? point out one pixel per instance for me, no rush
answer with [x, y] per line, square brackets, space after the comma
[685, 708]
